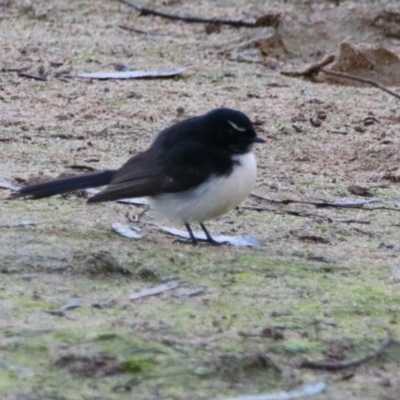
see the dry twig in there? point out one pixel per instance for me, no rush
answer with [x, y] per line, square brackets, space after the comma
[312, 70]
[335, 366]
[307, 215]
[359, 79]
[148, 11]
[315, 69]
[37, 77]
[141, 31]
[359, 204]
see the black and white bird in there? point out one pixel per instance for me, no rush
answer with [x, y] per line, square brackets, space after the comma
[195, 170]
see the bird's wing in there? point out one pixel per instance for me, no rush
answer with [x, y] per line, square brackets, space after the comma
[154, 172]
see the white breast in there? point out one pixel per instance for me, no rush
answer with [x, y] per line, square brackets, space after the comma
[214, 197]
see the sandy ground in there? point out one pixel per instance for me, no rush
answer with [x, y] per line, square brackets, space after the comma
[325, 284]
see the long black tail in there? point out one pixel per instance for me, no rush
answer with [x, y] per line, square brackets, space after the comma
[59, 186]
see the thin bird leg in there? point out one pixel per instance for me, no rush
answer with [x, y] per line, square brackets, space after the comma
[192, 237]
[209, 237]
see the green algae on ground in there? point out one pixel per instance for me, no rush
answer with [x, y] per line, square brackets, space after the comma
[135, 365]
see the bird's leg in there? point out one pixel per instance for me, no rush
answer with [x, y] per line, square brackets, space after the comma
[209, 237]
[195, 242]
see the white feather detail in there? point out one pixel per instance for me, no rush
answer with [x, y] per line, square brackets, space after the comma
[216, 196]
[234, 126]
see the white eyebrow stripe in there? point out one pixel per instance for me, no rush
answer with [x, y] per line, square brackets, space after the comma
[234, 126]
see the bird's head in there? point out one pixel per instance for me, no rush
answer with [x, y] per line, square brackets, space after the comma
[232, 130]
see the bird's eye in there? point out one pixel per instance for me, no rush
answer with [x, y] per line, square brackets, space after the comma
[236, 127]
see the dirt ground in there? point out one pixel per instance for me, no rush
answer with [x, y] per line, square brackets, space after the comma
[325, 283]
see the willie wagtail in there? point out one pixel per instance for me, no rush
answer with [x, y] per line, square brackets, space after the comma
[195, 170]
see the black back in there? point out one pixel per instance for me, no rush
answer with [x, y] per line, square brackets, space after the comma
[183, 156]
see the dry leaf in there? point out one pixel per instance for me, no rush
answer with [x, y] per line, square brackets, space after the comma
[133, 74]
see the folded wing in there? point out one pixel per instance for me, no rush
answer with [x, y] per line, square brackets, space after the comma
[156, 171]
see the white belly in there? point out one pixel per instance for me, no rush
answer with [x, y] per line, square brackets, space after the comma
[214, 197]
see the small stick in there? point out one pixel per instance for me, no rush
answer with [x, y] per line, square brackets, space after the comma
[350, 363]
[149, 11]
[312, 70]
[359, 204]
[307, 215]
[33, 76]
[359, 79]
[141, 31]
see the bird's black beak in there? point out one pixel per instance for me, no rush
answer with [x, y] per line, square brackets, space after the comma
[257, 139]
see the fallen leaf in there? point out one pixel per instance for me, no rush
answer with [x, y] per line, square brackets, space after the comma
[133, 74]
[154, 291]
[127, 231]
[307, 390]
[366, 61]
[71, 304]
[9, 186]
[239, 241]
[18, 224]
